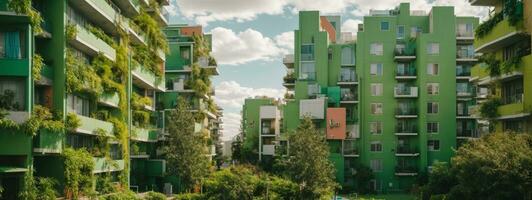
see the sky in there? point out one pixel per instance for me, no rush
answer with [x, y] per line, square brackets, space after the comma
[250, 38]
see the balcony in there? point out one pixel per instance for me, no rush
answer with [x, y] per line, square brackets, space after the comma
[18, 117]
[347, 77]
[145, 78]
[406, 151]
[406, 53]
[155, 168]
[100, 12]
[463, 74]
[268, 149]
[289, 80]
[208, 64]
[267, 131]
[136, 34]
[466, 134]
[160, 15]
[482, 93]
[406, 72]
[405, 92]
[313, 108]
[349, 148]
[102, 165]
[348, 97]
[513, 110]
[92, 45]
[90, 125]
[15, 66]
[406, 112]
[269, 112]
[502, 35]
[48, 142]
[129, 7]
[144, 135]
[288, 61]
[352, 131]
[464, 91]
[406, 129]
[465, 56]
[463, 37]
[110, 99]
[406, 171]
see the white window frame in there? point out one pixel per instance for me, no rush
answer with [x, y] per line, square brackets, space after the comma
[433, 48]
[375, 146]
[433, 124]
[376, 89]
[376, 49]
[433, 88]
[376, 108]
[434, 107]
[376, 69]
[375, 128]
[433, 69]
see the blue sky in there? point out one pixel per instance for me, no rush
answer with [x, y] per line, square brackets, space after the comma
[250, 37]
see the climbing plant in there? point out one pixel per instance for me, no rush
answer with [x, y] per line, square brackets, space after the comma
[489, 109]
[492, 63]
[99, 33]
[81, 78]
[37, 67]
[72, 122]
[24, 7]
[79, 167]
[40, 119]
[71, 31]
[486, 27]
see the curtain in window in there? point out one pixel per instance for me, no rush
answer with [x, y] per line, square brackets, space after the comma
[12, 45]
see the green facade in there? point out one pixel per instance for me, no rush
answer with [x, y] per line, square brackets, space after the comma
[396, 124]
[506, 40]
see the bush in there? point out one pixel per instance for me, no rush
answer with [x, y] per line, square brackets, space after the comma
[155, 196]
[189, 196]
[125, 195]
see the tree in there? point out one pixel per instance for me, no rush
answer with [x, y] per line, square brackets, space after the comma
[185, 150]
[314, 174]
[236, 147]
[497, 166]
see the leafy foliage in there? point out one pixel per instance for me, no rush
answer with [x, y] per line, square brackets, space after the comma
[155, 196]
[185, 150]
[71, 31]
[124, 195]
[72, 122]
[492, 63]
[36, 67]
[486, 27]
[79, 166]
[497, 166]
[315, 175]
[24, 7]
[81, 78]
[37, 188]
[489, 109]
[41, 118]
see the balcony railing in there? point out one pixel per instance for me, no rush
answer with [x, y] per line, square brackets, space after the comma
[308, 76]
[409, 110]
[406, 128]
[405, 91]
[406, 150]
[268, 131]
[348, 96]
[347, 76]
[464, 34]
[289, 78]
[466, 133]
[409, 70]
[406, 170]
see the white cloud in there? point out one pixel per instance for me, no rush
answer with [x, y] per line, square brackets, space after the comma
[351, 25]
[250, 45]
[231, 96]
[462, 7]
[285, 41]
[324, 6]
[231, 125]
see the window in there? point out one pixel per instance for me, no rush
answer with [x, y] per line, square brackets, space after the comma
[432, 127]
[376, 165]
[307, 71]
[347, 74]
[376, 49]
[400, 32]
[348, 56]
[15, 87]
[433, 145]
[464, 30]
[12, 45]
[376, 146]
[433, 88]
[376, 108]
[465, 51]
[385, 26]
[313, 90]
[433, 69]
[376, 69]
[78, 105]
[415, 31]
[307, 52]
[433, 48]
[376, 89]
[512, 91]
[375, 128]
[432, 108]
[185, 53]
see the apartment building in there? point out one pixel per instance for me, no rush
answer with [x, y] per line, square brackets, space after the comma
[100, 63]
[505, 76]
[188, 69]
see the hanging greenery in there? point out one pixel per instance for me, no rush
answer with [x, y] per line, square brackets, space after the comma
[41, 118]
[492, 63]
[81, 78]
[29, 187]
[102, 147]
[99, 33]
[24, 7]
[79, 178]
[489, 109]
[155, 36]
[37, 67]
[486, 27]
[72, 122]
[513, 10]
[71, 31]
[511, 64]
[141, 117]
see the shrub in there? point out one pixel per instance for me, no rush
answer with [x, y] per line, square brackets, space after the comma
[155, 196]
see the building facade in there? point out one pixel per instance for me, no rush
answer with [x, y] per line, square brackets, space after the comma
[91, 76]
[504, 77]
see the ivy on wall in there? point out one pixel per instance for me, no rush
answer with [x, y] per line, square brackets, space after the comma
[79, 178]
[37, 67]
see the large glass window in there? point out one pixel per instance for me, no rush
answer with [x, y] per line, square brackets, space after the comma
[307, 52]
[400, 32]
[348, 56]
[347, 74]
[78, 105]
[13, 93]
[12, 45]
[512, 91]
[308, 71]
[385, 26]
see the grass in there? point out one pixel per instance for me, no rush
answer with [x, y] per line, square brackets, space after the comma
[381, 197]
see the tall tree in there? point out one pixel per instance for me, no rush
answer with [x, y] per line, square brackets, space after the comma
[314, 173]
[185, 150]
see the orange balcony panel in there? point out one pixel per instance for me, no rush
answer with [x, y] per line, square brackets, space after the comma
[336, 126]
[191, 30]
